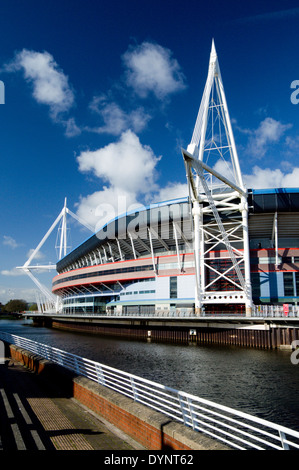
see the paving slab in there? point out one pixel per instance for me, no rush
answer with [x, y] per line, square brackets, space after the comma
[36, 415]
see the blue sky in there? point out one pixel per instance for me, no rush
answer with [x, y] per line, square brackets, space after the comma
[100, 96]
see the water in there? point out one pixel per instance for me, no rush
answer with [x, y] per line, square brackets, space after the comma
[260, 382]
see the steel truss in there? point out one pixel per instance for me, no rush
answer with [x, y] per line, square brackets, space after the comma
[51, 302]
[219, 203]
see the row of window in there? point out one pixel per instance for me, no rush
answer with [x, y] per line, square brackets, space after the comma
[95, 309]
[290, 284]
[104, 272]
[138, 292]
[162, 266]
[272, 259]
[90, 300]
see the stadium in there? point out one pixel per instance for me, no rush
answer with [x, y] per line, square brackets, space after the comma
[143, 262]
[221, 249]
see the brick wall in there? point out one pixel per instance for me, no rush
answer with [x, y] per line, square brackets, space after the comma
[150, 428]
[151, 436]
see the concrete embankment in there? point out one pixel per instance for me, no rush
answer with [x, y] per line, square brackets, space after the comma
[151, 429]
[243, 333]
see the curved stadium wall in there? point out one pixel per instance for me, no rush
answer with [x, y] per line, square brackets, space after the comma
[142, 262]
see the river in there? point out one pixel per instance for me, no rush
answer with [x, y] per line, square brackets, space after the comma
[263, 383]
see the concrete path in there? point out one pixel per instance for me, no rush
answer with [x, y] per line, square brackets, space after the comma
[36, 416]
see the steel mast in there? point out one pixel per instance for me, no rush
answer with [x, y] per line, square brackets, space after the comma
[219, 202]
[51, 299]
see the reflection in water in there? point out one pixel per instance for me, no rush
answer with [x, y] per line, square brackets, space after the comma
[260, 382]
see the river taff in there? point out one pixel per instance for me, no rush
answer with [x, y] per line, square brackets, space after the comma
[263, 383]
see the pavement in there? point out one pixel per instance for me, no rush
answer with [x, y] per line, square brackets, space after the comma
[35, 415]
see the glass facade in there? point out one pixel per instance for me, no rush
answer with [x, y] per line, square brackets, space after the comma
[291, 284]
[256, 286]
[288, 284]
[173, 287]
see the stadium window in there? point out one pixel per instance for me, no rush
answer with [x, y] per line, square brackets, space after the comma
[256, 285]
[297, 283]
[173, 287]
[288, 283]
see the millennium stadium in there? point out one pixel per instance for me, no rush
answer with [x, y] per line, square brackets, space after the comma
[221, 249]
[144, 262]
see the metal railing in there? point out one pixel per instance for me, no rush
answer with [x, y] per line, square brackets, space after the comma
[236, 429]
[259, 311]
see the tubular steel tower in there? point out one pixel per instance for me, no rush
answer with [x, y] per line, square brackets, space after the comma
[219, 202]
[50, 299]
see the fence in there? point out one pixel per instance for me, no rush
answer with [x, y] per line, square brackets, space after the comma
[264, 311]
[286, 310]
[237, 429]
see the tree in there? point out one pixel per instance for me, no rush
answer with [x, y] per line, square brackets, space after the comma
[16, 305]
[33, 307]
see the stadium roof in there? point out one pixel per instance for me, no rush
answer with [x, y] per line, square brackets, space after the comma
[260, 201]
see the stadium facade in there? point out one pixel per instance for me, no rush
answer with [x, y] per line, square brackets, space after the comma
[222, 248]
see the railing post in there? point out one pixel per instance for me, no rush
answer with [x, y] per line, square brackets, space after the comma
[77, 369]
[284, 445]
[191, 412]
[59, 359]
[134, 390]
[100, 375]
[183, 409]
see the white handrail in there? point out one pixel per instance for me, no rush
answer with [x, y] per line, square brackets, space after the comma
[259, 311]
[235, 428]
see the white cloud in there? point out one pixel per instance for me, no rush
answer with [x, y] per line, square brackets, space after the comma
[50, 85]
[172, 191]
[270, 16]
[293, 143]
[150, 68]
[269, 132]
[7, 294]
[71, 128]
[126, 164]
[263, 178]
[9, 241]
[103, 206]
[128, 168]
[129, 171]
[38, 255]
[225, 169]
[116, 120]
[12, 272]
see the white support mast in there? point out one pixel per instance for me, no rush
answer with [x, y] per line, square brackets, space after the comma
[52, 300]
[219, 202]
[63, 240]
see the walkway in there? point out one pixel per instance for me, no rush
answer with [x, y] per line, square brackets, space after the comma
[36, 416]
